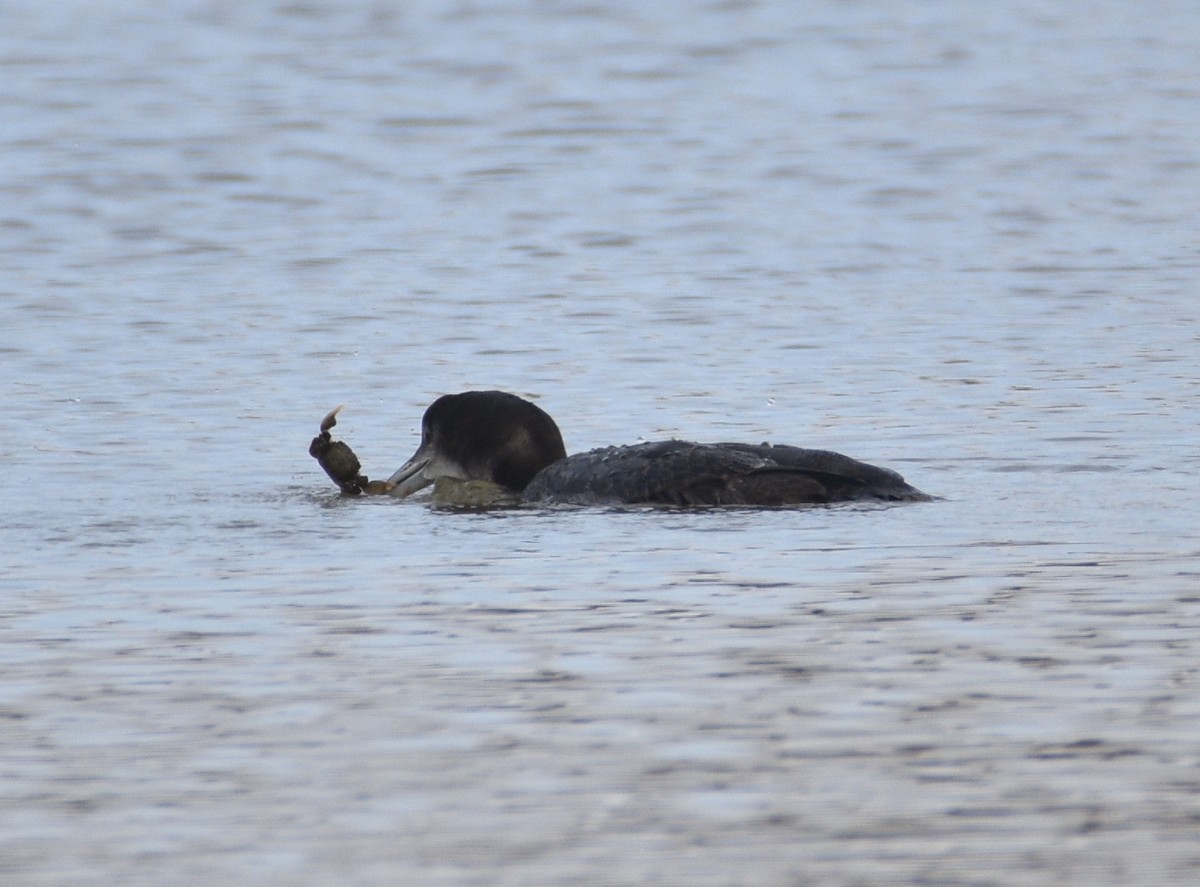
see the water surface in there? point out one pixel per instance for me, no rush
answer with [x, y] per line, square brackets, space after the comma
[956, 241]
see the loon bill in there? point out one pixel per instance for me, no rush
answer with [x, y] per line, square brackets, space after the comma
[499, 438]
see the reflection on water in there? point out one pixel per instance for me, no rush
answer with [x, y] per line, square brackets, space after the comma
[956, 242]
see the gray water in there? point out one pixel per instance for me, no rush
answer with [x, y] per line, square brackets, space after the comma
[956, 239]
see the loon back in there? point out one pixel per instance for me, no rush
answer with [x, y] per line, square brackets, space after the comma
[676, 472]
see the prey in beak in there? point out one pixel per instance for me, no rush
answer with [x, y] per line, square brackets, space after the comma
[340, 463]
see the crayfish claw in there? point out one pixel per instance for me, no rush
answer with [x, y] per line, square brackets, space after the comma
[331, 417]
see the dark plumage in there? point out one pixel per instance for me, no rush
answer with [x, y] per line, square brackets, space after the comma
[676, 472]
[499, 437]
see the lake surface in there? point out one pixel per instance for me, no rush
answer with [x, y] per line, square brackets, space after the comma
[955, 239]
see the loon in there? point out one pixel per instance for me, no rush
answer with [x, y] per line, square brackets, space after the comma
[496, 437]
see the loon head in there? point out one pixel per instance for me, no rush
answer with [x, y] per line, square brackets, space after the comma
[481, 435]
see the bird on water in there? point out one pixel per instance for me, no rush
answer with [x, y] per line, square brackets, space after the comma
[503, 439]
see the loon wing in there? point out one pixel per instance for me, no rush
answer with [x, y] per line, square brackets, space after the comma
[678, 472]
[841, 477]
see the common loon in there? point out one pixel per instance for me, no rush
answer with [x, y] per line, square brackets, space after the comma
[506, 440]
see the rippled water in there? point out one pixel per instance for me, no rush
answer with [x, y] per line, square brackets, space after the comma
[957, 240]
